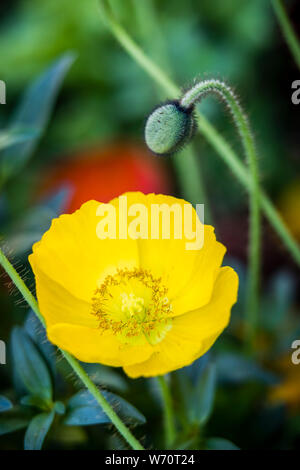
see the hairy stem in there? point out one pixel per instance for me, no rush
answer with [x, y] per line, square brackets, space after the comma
[287, 30]
[121, 427]
[189, 99]
[207, 130]
[78, 369]
[168, 411]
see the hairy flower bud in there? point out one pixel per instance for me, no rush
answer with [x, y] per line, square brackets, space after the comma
[168, 128]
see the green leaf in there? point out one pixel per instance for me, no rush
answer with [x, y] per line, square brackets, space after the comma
[37, 333]
[15, 137]
[34, 112]
[234, 368]
[29, 365]
[203, 396]
[37, 430]
[30, 227]
[85, 415]
[218, 443]
[83, 410]
[59, 408]
[35, 402]
[278, 300]
[124, 409]
[5, 404]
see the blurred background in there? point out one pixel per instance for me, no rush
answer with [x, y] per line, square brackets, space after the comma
[93, 147]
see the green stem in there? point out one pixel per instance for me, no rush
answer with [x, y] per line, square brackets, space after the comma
[187, 165]
[123, 430]
[287, 30]
[207, 130]
[191, 180]
[151, 32]
[20, 284]
[78, 369]
[135, 51]
[169, 420]
[189, 99]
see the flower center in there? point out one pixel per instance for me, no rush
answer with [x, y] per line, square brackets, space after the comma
[134, 306]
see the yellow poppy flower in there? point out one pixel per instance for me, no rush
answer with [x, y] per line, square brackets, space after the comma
[147, 304]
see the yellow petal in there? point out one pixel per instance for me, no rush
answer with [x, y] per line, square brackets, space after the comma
[169, 258]
[213, 317]
[198, 291]
[91, 345]
[193, 333]
[172, 354]
[58, 305]
[71, 253]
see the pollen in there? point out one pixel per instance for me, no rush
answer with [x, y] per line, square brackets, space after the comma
[134, 306]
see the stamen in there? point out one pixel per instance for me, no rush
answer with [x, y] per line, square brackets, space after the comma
[133, 305]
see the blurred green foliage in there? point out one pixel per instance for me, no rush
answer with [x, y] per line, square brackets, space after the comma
[105, 97]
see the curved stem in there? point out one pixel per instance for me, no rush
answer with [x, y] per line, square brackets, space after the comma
[168, 411]
[287, 30]
[215, 139]
[189, 99]
[78, 369]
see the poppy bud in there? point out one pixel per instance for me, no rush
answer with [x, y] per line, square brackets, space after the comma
[169, 127]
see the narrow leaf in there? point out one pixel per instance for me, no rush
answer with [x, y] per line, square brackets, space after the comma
[11, 138]
[34, 112]
[30, 227]
[35, 402]
[218, 443]
[37, 333]
[86, 415]
[30, 366]
[83, 409]
[37, 430]
[204, 395]
[5, 404]
[234, 368]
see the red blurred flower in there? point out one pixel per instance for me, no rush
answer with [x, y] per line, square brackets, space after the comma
[105, 172]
